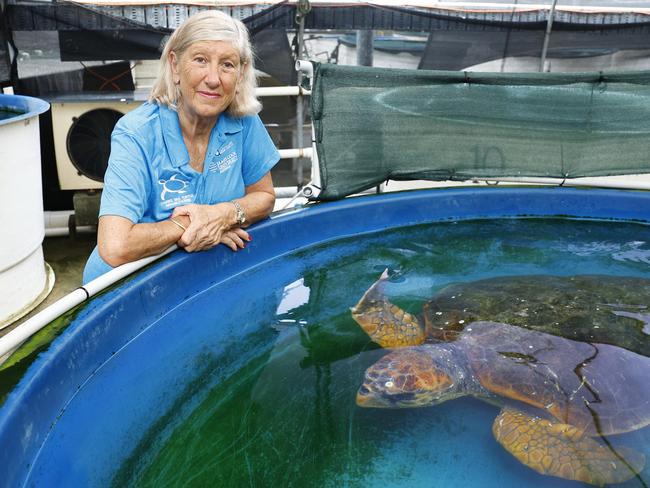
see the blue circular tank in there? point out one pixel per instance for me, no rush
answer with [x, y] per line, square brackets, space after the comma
[129, 354]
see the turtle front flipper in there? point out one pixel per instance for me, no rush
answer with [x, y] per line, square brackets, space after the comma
[385, 323]
[563, 450]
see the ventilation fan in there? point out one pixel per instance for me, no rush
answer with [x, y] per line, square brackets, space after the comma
[82, 140]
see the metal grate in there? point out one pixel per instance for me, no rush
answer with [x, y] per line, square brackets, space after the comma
[176, 15]
[132, 13]
[171, 16]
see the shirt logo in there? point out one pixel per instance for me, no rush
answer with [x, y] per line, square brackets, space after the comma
[172, 185]
[223, 163]
[175, 192]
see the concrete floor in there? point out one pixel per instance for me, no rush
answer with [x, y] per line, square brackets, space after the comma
[67, 256]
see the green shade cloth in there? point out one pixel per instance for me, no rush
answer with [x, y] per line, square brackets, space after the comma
[375, 124]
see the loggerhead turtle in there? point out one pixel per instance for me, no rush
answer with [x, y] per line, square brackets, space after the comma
[557, 396]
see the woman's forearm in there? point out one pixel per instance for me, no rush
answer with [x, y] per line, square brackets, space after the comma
[256, 205]
[201, 226]
[258, 201]
[121, 241]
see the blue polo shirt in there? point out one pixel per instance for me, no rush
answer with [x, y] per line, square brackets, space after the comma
[149, 173]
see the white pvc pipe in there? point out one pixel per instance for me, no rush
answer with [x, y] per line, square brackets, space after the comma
[281, 91]
[547, 37]
[315, 183]
[306, 68]
[626, 183]
[285, 191]
[304, 152]
[57, 218]
[65, 231]
[24, 331]
[56, 224]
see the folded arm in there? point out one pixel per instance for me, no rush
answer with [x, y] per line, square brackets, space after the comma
[214, 224]
[121, 241]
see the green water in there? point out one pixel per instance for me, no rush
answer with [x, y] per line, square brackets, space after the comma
[6, 113]
[287, 416]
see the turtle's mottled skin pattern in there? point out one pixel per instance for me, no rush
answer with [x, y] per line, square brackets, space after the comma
[558, 395]
[411, 377]
[388, 325]
[563, 450]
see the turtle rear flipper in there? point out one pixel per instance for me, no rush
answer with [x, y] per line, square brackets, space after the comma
[563, 450]
[385, 323]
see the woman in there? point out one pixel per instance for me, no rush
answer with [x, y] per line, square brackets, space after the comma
[192, 165]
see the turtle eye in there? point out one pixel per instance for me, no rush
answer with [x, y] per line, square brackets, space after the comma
[363, 390]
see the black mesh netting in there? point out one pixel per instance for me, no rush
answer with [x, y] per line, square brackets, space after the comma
[5, 59]
[86, 34]
[457, 39]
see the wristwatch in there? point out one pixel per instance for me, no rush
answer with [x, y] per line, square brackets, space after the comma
[239, 213]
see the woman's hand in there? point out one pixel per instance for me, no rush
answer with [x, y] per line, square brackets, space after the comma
[236, 238]
[208, 224]
[214, 224]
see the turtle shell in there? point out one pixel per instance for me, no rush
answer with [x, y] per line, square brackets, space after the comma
[599, 388]
[589, 308]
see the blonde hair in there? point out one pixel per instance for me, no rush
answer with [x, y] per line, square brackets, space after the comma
[209, 25]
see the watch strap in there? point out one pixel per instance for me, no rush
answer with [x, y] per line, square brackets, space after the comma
[240, 216]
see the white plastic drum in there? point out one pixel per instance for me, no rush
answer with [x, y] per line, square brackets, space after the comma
[25, 279]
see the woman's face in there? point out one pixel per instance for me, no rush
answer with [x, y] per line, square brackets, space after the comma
[208, 73]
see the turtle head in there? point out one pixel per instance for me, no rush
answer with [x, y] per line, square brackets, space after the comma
[410, 377]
